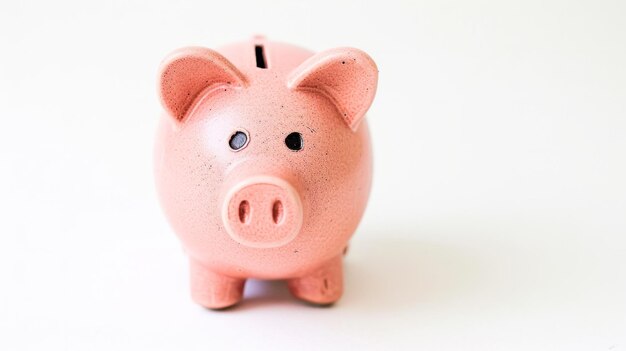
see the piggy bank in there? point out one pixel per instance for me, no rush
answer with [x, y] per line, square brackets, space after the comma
[263, 164]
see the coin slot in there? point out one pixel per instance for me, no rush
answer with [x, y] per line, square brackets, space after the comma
[260, 56]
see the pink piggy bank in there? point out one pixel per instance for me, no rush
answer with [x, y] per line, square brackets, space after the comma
[264, 165]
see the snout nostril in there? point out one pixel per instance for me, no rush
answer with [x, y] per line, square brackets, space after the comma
[261, 212]
[244, 212]
[277, 212]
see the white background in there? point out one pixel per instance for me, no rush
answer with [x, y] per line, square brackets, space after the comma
[496, 221]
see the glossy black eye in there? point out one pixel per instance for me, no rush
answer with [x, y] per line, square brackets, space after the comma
[238, 140]
[294, 141]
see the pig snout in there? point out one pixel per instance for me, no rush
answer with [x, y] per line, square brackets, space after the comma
[262, 212]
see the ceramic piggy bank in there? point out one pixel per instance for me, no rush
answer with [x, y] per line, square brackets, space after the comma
[263, 164]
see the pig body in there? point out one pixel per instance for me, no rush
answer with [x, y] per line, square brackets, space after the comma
[263, 164]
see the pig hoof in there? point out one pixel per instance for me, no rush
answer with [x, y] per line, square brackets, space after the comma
[213, 290]
[218, 300]
[216, 307]
[323, 286]
[216, 303]
[315, 294]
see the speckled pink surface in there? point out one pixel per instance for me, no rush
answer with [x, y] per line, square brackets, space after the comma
[264, 211]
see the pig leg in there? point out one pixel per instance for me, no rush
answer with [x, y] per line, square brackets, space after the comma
[213, 290]
[323, 286]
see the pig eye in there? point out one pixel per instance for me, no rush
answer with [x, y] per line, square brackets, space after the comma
[238, 140]
[294, 141]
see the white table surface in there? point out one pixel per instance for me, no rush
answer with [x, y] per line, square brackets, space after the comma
[497, 219]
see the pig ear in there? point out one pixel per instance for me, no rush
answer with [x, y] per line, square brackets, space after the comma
[347, 76]
[187, 72]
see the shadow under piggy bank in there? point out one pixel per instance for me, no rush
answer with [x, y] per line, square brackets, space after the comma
[396, 273]
[387, 272]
